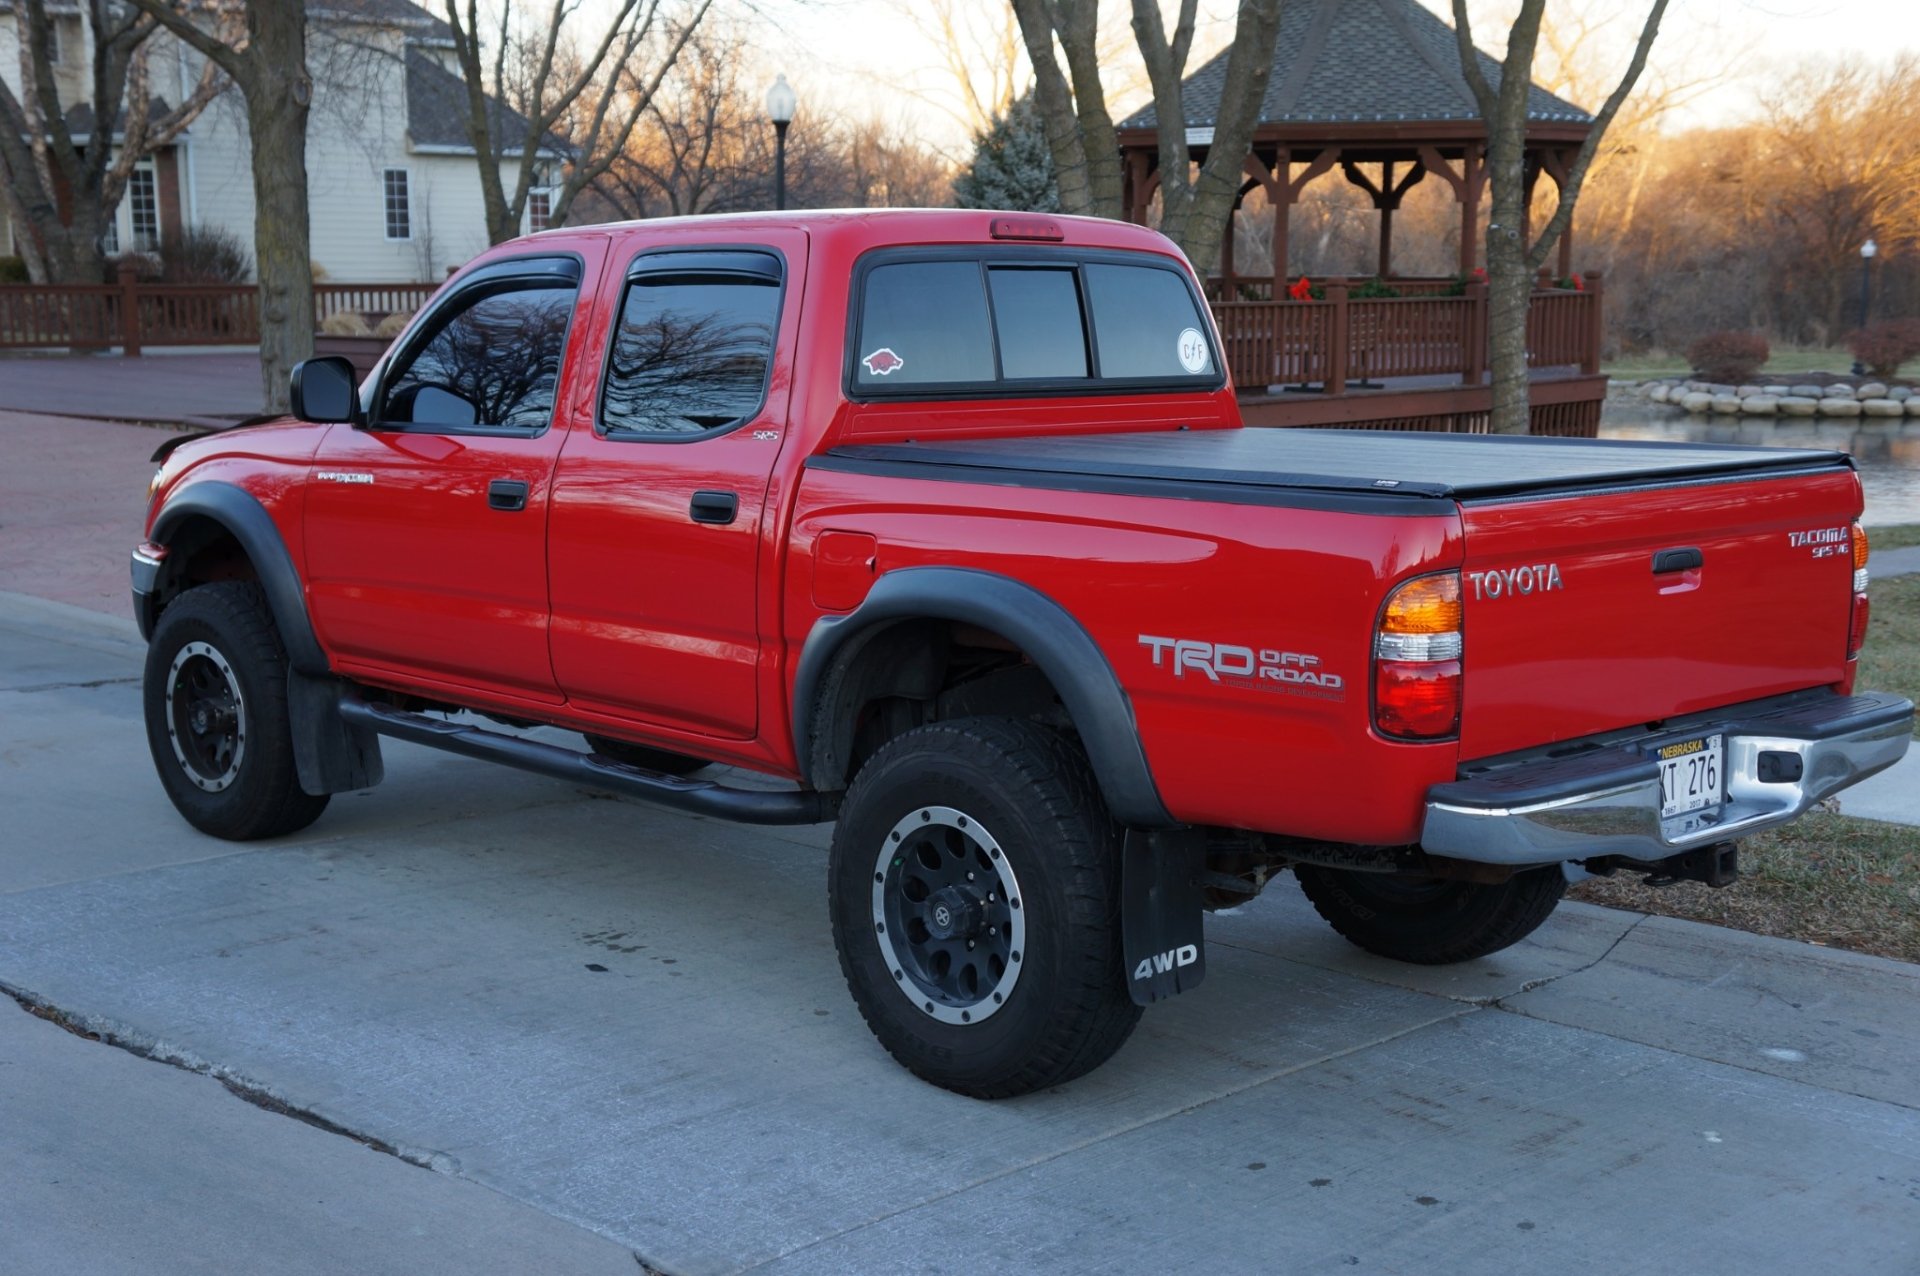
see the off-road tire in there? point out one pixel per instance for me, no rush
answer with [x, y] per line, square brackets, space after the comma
[1431, 922]
[645, 757]
[262, 796]
[1032, 792]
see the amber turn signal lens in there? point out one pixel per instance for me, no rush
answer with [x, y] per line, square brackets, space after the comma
[1860, 547]
[1429, 605]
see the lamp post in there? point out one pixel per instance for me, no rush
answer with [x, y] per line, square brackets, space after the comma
[1867, 250]
[781, 101]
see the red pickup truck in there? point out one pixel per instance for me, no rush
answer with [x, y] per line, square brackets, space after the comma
[948, 520]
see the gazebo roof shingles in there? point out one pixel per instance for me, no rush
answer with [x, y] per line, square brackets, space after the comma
[1360, 60]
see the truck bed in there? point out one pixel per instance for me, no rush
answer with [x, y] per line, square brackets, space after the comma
[1422, 467]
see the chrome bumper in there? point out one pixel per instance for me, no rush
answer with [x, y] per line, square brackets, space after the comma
[1606, 800]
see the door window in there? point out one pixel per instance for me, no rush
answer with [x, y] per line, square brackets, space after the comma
[490, 363]
[693, 349]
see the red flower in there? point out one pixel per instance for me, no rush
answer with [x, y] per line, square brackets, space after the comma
[1302, 289]
[1480, 274]
[1579, 285]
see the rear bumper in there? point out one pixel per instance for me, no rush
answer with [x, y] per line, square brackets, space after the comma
[1605, 799]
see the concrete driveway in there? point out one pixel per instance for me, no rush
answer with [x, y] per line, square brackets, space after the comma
[152, 387]
[633, 1022]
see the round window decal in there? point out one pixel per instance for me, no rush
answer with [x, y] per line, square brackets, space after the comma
[1192, 349]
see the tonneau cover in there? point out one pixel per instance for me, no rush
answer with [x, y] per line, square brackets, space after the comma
[1456, 466]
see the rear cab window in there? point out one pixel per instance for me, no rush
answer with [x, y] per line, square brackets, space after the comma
[972, 322]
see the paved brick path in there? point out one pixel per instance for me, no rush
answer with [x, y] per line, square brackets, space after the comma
[73, 497]
[150, 388]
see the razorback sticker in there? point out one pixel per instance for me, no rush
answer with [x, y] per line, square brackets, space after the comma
[883, 361]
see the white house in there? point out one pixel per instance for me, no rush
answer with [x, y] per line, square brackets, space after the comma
[393, 185]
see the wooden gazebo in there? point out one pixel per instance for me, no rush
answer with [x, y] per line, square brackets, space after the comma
[1374, 89]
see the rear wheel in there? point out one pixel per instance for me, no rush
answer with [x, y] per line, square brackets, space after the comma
[974, 893]
[647, 759]
[1429, 921]
[215, 696]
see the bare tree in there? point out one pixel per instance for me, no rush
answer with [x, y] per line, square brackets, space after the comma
[267, 58]
[1080, 133]
[45, 165]
[1194, 208]
[979, 47]
[1086, 153]
[1511, 261]
[595, 97]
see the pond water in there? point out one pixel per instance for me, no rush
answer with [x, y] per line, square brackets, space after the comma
[1889, 467]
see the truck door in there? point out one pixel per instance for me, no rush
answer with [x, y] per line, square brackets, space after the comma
[426, 530]
[658, 534]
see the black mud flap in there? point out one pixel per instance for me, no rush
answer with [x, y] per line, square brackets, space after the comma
[1162, 932]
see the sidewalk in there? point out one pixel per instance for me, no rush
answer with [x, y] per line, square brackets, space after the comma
[581, 1009]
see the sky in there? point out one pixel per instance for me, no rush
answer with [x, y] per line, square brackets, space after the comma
[869, 56]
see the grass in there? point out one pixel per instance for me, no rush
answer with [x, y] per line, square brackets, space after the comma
[1900, 536]
[1891, 658]
[1825, 879]
[1644, 367]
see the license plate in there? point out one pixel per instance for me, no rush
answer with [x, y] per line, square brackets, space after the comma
[1692, 775]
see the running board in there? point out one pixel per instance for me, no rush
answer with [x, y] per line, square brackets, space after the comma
[697, 797]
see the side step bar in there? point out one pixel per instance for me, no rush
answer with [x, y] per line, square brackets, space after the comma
[698, 797]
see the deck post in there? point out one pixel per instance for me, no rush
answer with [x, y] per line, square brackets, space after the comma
[1337, 336]
[1476, 352]
[129, 310]
[1590, 356]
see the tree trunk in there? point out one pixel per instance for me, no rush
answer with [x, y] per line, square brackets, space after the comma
[277, 126]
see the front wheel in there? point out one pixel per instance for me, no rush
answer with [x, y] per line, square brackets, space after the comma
[1430, 921]
[974, 889]
[216, 707]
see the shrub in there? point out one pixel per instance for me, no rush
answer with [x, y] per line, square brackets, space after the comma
[345, 323]
[1368, 289]
[1728, 356]
[1884, 346]
[204, 255]
[13, 270]
[394, 324]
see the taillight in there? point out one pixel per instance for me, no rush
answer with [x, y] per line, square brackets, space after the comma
[1416, 660]
[1857, 626]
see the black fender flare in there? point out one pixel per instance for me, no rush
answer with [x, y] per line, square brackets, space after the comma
[241, 513]
[1056, 643]
[330, 755]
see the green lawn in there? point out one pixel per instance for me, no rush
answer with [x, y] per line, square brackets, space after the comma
[1891, 659]
[1898, 536]
[1645, 367]
[1825, 879]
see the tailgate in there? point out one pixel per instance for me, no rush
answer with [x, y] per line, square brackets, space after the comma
[1570, 630]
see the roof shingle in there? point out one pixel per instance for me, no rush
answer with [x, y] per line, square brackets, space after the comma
[1359, 60]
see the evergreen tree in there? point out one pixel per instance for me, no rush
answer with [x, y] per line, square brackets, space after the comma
[1012, 165]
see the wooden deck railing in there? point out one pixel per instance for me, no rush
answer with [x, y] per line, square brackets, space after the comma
[1340, 342]
[132, 315]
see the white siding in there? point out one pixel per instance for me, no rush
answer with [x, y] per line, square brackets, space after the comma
[358, 129]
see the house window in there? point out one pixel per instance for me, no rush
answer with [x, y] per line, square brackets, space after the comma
[143, 201]
[539, 208]
[399, 215]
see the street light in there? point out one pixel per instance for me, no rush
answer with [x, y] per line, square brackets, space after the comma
[1867, 251]
[781, 101]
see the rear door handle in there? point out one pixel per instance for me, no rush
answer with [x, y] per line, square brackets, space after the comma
[715, 507]
[1683, 558]
[507, 494]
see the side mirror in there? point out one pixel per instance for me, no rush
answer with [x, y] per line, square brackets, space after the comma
[324, 391]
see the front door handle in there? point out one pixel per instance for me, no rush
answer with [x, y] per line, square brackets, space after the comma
[715, 507]
[507, 494]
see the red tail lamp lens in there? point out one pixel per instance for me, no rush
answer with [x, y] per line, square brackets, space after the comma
[1857, 631]
[1417, 700]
